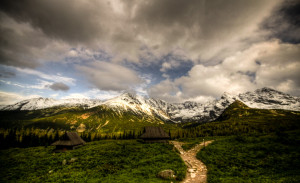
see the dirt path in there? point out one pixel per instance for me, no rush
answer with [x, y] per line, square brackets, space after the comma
[196, 172]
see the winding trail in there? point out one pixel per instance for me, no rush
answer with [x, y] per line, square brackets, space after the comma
[197, 171]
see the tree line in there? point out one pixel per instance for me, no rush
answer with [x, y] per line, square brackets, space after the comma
[30, 137]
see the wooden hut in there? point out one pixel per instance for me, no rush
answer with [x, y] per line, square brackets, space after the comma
[69, 141]
[154, 134]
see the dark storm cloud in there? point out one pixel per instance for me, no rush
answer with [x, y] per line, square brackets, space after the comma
[203, 28]
[23, 46]
[59, 86]
[73, 21]
[16, 49]
[285, 22]
[6, 73]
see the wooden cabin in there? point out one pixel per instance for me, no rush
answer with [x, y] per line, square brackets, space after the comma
[154, 134]
[69, 141]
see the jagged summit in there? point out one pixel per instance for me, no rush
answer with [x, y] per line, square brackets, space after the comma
[264, 98]
[238, 104]
[267, 90]
[128, 95]
[226, 95]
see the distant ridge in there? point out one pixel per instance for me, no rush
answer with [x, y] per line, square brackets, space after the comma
[264, 98]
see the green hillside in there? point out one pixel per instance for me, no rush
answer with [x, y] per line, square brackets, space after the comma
[251, 145]
[273, 158]
[100, 161]
[100, 118]
[262, 146]
[240, 119]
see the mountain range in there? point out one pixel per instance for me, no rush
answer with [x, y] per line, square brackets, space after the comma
[264, 98]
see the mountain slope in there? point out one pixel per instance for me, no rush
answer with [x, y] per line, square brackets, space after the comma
[267, 98]
[102, 118]
[264, 98]
[239, 119]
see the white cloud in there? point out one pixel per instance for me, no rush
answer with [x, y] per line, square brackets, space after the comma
[40, 85]
[54, 95]
[110, 76]
[75, 95]
[93, 94]
[7, 98]
[169, 65]
[272, 64]
[49, 77]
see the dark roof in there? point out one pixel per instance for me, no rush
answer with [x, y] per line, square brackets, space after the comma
[152, 132]
[70, 139]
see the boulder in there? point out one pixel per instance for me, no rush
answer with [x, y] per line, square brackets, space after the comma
[72, 160]
[64, 162]
[166, 174]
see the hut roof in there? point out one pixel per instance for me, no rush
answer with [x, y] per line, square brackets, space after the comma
[152, 132]
[70, 139]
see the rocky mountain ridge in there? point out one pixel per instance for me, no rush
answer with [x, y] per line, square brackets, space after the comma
[264, 98]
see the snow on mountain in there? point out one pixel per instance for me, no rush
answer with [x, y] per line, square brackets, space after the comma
[42, 103]
[192, 111]
[264, 98]
[137, 104]
[267, 98]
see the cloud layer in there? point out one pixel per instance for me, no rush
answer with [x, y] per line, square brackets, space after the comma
[7, 98]
[202, 28]
[272, 64]
[109, 76]
[59, 86]
[189, 50]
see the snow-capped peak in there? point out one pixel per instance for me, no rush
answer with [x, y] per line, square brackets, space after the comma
[267, 90]
[135, 103]
[42, 103]
[264, 98]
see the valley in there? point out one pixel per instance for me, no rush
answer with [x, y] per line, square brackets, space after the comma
[249, 144]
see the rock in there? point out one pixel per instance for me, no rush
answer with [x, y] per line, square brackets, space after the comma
[72, 160]
[192, 170]
[166, 174]
[64, 162]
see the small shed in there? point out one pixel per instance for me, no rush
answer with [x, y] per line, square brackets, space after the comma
[154, 134]
[69, 141]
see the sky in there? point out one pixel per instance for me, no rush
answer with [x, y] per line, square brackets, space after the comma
[169, 49]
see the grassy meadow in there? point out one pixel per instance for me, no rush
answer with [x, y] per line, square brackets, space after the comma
[99, 161]
[251, 145]
[256, 158]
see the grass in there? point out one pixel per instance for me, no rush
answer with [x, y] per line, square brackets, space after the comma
[260, 147]
[268, 158]
[100, 161]
[189, 143]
